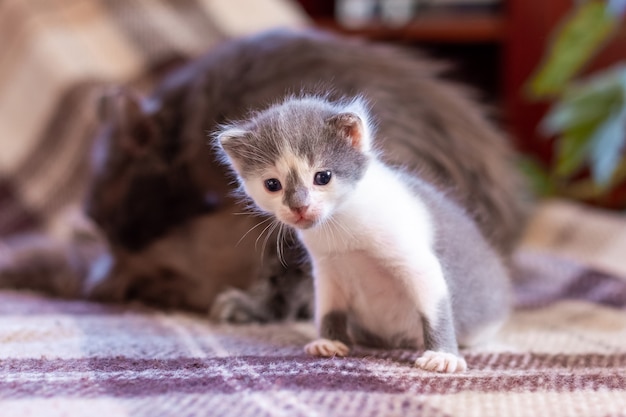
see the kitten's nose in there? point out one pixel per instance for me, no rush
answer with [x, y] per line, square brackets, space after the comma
[300, 210]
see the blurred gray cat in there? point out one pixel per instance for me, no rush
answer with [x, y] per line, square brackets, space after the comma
[395, 261]
[165, 212]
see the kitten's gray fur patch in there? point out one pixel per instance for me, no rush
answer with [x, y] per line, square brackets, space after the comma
[364, 337]
[440, 336]
[334, 326]
[296, 194]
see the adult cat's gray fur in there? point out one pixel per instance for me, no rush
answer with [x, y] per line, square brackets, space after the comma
[164, 206]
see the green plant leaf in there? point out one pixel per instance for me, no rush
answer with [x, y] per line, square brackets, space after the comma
[572, 149]
[606, 147]
[579, 37]
[587, 103]
[582, 111]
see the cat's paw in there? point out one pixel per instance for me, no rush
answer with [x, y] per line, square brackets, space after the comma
[441, 362]
[232, 306]
[326, 348]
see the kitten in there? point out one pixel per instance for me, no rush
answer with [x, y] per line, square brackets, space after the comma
[396, 262]
[164, 213]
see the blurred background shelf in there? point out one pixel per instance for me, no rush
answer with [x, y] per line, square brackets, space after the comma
[446, 26]
[470, 38]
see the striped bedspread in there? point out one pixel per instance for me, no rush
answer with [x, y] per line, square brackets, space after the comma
[562, 353]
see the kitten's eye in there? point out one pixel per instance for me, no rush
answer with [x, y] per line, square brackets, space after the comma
[322, 177]
[273, 185]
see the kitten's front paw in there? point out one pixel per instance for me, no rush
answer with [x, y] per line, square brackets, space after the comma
[326, 348]
[441, 362]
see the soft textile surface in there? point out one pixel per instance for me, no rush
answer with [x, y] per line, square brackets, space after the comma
[54, 57]
[562, 353]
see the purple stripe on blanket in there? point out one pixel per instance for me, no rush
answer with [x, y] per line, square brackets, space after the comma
[285, 364]
[509, 361]
[122, 377]
[536, 290]
[599, 288]
[25, 303]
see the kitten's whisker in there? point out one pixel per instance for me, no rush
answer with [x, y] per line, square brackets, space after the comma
[345, 228]
[280, 245]
[251, 229]
[256, 242]
[334, 231]
[267, 237]
[327, 233]
[347, 233]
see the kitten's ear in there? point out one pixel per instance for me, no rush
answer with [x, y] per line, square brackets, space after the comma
[350, 127]
[233, 142]
[131, 118]
[230, 138]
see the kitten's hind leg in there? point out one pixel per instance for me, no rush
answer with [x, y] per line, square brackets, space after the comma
[432, 297]
[440, 342]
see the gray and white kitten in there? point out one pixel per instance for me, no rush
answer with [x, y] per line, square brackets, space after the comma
[396, 262]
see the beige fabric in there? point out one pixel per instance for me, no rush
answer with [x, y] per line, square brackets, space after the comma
[599, 241]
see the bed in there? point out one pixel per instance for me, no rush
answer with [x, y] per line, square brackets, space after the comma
[562, 353]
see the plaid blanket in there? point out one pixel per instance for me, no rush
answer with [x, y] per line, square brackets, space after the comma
[563, 352]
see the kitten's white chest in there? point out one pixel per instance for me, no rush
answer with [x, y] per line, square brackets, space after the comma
[378, 301]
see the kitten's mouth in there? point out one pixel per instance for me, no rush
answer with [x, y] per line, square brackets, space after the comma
[302, 222]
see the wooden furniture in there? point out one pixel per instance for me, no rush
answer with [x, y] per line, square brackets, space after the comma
[514, 36]
[433, 26]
